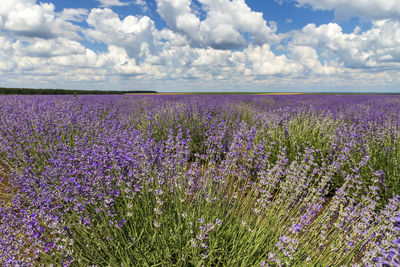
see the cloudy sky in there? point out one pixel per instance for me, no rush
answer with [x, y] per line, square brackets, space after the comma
[201, 45]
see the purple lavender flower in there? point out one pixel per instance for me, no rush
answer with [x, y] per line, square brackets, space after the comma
[91, 161]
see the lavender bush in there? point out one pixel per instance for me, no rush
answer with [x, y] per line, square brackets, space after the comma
[199, 180]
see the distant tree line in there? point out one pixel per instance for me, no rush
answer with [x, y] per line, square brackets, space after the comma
[31, 91]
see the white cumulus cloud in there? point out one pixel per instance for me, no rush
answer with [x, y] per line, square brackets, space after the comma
[376, 48]
[72, 14]
[26, 18]
[134, 34]
[207, 43]
[54, 47]
[261, 61]
[109, 3]
[366, 9]
[308, 58]
[224, 25]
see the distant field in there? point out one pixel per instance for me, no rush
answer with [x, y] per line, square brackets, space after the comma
[261, 93]
[32, 91]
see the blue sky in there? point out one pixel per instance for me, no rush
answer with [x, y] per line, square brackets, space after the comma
[201, 45]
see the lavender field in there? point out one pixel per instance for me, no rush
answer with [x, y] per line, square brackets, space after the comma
[200, 180]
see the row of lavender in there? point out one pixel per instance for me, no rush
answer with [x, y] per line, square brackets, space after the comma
[213, 180]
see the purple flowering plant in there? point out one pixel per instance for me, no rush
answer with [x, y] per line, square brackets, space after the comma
[191, 180]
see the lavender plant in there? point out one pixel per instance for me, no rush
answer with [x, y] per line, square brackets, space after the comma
[199, 180]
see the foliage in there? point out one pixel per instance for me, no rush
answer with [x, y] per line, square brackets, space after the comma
[200, 180]
[31, 91]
